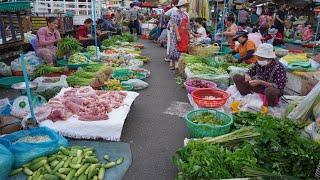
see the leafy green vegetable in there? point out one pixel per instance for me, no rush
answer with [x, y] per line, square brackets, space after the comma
[207, 118]
[77, 58]
[199, 160]
[68, 45]
[77, 81]
[47, 69]
[277, 152]
[201, 68]
[118, 38]
[280, 148]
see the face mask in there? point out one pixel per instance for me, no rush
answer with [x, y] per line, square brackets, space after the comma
[183, 9]
[262, 63]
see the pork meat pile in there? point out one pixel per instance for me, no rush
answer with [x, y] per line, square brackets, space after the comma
[86, 103]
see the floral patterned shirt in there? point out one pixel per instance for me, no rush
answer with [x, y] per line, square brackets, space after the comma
[274, 73]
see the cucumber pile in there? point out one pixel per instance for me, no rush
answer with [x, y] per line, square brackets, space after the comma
[71, 163]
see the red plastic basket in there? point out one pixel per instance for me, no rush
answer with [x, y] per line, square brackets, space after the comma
[190, 88]
[296, 51]
[200, 94]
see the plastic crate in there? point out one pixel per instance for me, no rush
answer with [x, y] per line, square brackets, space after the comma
[206, 130]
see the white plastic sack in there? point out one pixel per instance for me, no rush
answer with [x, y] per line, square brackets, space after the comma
[137, 84]
[5, 70]
[45, 83]
[304, 108]
[135, 63]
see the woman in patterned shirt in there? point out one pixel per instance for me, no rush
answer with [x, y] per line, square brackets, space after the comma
[267, 77]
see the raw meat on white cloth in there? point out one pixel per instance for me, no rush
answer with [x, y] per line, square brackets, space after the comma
[86, 103]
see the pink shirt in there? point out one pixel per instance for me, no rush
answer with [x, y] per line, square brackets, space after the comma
[256, 38]
[46, 39]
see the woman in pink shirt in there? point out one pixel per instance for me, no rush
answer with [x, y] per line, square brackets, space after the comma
[47, 38]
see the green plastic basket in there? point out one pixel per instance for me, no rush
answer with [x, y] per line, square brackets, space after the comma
[64, 62]
[7, 82]
[14, 6]
[127, 87]
[121, 71]
[206, 130]
[124, 76]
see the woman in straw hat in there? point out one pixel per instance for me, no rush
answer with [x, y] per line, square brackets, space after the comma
[267, 77]
[179, 42]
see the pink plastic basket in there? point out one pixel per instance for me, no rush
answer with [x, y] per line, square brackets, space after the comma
[190, 88]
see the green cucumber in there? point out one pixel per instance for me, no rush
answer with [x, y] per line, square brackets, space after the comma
[110, 165]
[50, 177]
[26, 165]
[35, 161]
[27, 171]
[83, 177]
[91, 160]
[75, 166]
[106, 157]
[67, 162]
[81, 170]
[95, 178]
[102, 170]
[58, 167]
[54, 163]
[61, 176]
[71, 174]
[120, 161]
[64, 170]
[47, 167]
[52, 158]
[38, 164]
[16, 171]
[64, 150]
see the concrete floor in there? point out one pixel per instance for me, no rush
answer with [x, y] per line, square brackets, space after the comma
[154, 136]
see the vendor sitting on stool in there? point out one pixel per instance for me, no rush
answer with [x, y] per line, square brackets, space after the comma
[267, 77]
[84, 36]
[246, 48]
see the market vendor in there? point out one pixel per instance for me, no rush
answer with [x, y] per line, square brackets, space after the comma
[200, 34]
[246, 48]
[274, 37]
[267, 77]
[232, 28]
[84, 36]
[47, 38]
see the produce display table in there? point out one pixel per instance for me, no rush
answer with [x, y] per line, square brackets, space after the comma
[301, 83]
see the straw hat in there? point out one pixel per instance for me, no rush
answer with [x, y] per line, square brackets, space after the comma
[265, 51]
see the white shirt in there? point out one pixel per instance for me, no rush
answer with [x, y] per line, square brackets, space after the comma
[202, 31]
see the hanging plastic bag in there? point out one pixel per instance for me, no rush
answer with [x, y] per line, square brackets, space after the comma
[6, 161]
[137, 84]
[5, 70]
[304, 108]
[45, 83]
[27, 145]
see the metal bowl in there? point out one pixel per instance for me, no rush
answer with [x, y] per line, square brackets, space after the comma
[22, 85]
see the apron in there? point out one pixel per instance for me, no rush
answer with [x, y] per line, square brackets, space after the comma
[183, 44]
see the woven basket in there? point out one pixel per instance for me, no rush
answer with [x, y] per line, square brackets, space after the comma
[206, 130]
[204, 50]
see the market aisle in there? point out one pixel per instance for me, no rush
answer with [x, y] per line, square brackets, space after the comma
[154, 136]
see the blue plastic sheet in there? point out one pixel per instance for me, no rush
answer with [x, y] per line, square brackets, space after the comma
[6, 161]
[24, 152]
